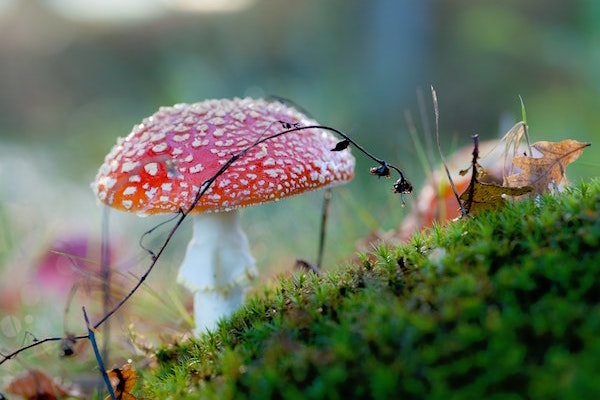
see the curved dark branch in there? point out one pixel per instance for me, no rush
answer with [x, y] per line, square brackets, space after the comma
[401, 186]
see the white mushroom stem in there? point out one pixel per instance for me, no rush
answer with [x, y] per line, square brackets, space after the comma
[217, 267]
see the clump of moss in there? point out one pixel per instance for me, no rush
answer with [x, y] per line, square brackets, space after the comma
[502, 305]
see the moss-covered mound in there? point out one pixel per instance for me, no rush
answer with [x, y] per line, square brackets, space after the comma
[505, 305]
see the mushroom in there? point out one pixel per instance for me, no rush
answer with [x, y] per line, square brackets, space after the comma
[165, 161]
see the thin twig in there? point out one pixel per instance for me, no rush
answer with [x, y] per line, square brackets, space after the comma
[421, 154]
[154, 228]
[9, 356]
[473, 180]
[437, 135]
[105, 272]
[426, 129]
[92, 338]
[324, 217]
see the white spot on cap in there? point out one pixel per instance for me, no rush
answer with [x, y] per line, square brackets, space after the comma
[104, 170]
[167, 186]
[129, 153]
[110, 183]
[273, 173]
[129, 190]
[196, 168]
[157, 137]
[127, 204]
[217, 121]
[151, 168]
[240, 116]
[197, 142]
[268, 162]
[198, 108]
[263, 151]
[151, 192]
[181, 128]
[181, 138]
[138, 128]
[160, 147]
[129, 166]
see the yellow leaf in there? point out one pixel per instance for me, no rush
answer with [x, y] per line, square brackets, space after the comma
[487, 196]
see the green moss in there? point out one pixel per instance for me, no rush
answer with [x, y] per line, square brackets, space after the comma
[503, 305]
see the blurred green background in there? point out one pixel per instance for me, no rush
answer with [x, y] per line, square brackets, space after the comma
[74, 75]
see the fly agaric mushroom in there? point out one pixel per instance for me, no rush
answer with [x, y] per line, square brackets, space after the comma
[165, 161]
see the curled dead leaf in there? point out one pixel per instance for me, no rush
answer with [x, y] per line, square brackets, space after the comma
[36, 384]
[547, 171]
[122, 380]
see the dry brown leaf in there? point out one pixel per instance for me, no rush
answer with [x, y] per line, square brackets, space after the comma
[122, 380]
[549, 170]
[36, 384]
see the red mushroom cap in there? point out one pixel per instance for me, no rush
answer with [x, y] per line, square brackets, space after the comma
[164, 161]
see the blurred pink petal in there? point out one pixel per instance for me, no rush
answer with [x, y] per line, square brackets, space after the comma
[68, 261]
